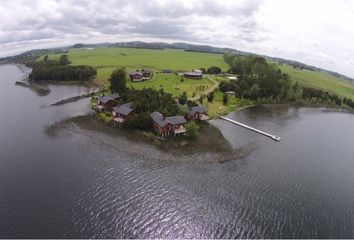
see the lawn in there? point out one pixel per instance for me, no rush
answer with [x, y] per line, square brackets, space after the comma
[320, 80]
[216, 107]
[105, 60]
[175, 84]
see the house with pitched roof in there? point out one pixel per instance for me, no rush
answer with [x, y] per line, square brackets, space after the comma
[165, 126]
[199, 113]
[107, 103]
[122, 112]
[142, 75]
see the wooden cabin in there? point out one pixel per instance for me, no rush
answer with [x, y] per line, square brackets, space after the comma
[199, 113]
[142, 75]
[122, 112]
[107, 103]
[166, 126]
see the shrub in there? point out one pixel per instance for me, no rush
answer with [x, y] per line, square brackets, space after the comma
[192, 129]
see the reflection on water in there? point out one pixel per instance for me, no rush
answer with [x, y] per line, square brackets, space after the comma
[84, 183]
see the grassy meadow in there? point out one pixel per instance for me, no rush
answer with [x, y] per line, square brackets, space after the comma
[105, 60]
[320, 80]
[175, 84]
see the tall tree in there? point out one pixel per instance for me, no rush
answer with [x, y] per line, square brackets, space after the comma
[64, 60]
[118, 80]
[225, 99]
[183, 98]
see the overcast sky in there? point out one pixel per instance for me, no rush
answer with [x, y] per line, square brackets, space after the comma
[317, 32]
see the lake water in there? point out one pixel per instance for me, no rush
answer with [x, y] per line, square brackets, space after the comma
[87, 184]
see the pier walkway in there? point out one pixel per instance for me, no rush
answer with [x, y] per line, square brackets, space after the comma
[274, 137]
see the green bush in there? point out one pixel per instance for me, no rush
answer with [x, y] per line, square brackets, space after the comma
[192, 129]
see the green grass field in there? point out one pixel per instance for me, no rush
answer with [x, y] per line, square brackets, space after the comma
[320, 80]
[105, 60]
[175, 84]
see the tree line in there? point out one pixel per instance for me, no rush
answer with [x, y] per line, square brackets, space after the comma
[60, 70]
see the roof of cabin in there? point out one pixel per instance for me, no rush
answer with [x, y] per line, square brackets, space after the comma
[139, 72]
[197, 109]
[158, 118]
[124, 109]
[135, 73]
[174, 120]
[105, 99]
[162, 121]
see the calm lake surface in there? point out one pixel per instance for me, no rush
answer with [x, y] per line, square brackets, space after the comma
[86, 184]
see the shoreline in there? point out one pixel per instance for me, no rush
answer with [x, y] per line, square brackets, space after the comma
[209, 140]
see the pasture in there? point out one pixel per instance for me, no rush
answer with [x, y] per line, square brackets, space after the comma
[105, 60]
[320, 80]
[175, 84]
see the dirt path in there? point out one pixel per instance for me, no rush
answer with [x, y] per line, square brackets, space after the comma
[209, 90]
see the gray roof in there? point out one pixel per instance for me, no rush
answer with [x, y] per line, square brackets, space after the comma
[197, 109]
[114, 96]
[140, 72]
[158, 118]
[124, 109]
[162, 121]
[176, 120]
[105, 99]
[134, 73]
[194, 74]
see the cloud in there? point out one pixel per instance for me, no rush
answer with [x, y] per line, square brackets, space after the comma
[320, 30]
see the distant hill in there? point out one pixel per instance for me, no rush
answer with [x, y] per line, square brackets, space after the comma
[33, 54]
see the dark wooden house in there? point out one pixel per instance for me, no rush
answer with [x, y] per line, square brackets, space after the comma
[140, 75]
[165, 126]
[107, 103]
[122, 112]
[199, 113]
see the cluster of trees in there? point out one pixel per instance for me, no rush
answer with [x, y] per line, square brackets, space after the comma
[211, 70]
[257, 78]
[214, 70]
[60, 70]
[183, 98]
[145, 102]
[318, 95]
[348, 102]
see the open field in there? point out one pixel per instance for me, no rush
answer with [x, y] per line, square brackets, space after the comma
[105, 60]
[320, 80]
[175, 84]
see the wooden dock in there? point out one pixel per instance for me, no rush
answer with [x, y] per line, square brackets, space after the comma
[274, 137]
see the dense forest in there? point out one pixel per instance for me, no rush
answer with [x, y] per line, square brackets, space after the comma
[60, 70]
